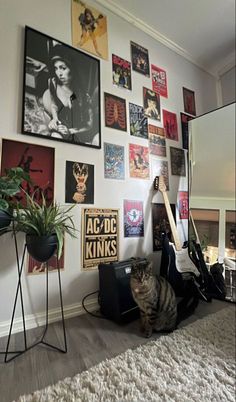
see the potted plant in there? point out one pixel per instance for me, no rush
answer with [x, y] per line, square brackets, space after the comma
[10, 185]
[44, 226]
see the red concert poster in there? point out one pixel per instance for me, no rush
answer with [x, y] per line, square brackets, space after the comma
[183, 205]
[37, 161]
[170, 125]
[36, 267]
[189, 101]
[133, 218]
[159, 81]
[115, 112]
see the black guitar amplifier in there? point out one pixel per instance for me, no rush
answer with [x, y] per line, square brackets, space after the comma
[116, 300]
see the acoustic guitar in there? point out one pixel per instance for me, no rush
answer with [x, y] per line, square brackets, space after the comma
[183, 262]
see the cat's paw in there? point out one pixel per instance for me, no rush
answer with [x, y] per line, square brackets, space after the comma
[147, 332]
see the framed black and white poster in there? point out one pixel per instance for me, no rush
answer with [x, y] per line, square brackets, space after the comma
[61, 92]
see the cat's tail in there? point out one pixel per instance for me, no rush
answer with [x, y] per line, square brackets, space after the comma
[187, 305]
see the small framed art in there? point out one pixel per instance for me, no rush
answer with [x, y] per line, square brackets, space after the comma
[189, 101]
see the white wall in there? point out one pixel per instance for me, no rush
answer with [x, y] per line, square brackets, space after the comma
[228, 86]
[53, 17]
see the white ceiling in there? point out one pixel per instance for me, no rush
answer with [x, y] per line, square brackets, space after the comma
[203, 31]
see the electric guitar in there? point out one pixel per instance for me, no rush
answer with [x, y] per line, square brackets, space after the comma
[183, 262]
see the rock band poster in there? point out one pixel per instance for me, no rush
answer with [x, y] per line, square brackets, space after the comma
[115, 112]
[121, 72]
[100, 236]
[140, 59]
[79, 183]
[138, 122]
[61, 92]
[133, 218]
[159, 81]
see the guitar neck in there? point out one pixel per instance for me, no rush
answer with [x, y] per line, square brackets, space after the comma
[194, 228]
[174, 232]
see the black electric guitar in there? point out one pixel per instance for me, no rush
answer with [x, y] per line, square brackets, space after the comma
[183, 262]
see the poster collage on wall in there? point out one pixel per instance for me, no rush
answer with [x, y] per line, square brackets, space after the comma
[61, 102]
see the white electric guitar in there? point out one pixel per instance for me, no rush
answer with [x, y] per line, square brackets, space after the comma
[183, 262]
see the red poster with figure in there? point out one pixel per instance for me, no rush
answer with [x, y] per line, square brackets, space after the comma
[159, 81]
[183, 205]
[37, 161]
[170, 125]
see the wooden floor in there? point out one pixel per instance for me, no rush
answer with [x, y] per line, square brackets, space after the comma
[90, 340]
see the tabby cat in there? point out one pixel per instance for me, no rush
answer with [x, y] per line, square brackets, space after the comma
[156, 300]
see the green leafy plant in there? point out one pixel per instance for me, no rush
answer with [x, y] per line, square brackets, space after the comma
[10, 185]
[45, 220]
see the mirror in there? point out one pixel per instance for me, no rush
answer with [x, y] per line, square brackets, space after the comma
[212, 183]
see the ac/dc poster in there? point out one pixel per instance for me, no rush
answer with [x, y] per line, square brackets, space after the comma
[121, 72]
[139, 161]
[133, 219]
[114, 165]
[100, 236]
[157, 141]
[159, 81]
[138, 122]
[185, 118]
[160, 224]
[36, 267]
[177, 159]
[37, 161]
[115, 112]
[151, 103]
[189, 101]
[140, 59]
[160, 168]
[79, 183]
[170, 125]
[183, 205]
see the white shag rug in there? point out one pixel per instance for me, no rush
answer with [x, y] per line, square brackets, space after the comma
[195, 363]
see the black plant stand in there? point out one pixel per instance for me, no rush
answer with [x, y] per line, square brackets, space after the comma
[19, 289]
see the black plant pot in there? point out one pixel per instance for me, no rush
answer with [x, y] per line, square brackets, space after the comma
[41, 248]
[5, 219]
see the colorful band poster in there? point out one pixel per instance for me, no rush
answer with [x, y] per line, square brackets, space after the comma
[121, 72]
[115, 112]
[133, 219]
[139, 161]
[140, 59]
[157, 141]
[159, 81]
[89, 29]
[100, 236]
[138, 122]
[114, 165]
[183, 205]
[79, 183]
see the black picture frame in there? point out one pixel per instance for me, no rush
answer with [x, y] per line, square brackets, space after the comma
[61, 92]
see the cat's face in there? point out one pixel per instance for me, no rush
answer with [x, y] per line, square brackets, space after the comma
[140, 275]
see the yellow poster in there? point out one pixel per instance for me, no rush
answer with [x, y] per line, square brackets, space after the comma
[100, 236]
[89, 29]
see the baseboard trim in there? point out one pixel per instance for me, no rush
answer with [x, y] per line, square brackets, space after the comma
[37, 320]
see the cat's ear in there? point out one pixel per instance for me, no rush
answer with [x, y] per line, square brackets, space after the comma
[149, 267]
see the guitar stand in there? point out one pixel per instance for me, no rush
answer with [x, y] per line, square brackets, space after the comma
[27, 347]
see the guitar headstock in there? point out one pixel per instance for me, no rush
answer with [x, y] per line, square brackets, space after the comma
[159, 183]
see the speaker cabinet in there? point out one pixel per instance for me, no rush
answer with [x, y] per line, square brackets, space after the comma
[116, 300]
